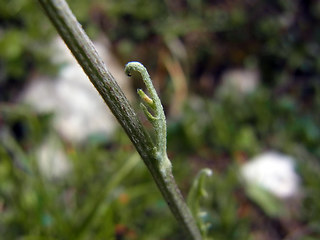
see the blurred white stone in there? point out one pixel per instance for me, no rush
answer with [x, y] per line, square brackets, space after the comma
[273, 172]
[52, 159]
[79, 110]
[239, 81]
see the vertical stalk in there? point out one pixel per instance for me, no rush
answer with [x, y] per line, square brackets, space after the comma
[83, 50]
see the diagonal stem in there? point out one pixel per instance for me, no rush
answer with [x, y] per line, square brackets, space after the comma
[83, 50]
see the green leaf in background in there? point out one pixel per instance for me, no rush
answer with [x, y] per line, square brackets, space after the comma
[196, 193]
[272, 206]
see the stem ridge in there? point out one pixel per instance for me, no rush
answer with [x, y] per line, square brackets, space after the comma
[152, 154]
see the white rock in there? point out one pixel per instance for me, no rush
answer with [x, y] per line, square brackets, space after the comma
[239, 81]
[52, 159]
[273, 172]
[78, 108]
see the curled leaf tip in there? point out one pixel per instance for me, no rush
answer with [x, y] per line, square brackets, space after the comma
[133, 66]
[197, 192]
[207, 172]
[157, 117]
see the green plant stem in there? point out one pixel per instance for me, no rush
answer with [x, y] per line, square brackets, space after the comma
[83, 50]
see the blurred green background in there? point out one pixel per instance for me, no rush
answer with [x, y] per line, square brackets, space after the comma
[187, 46]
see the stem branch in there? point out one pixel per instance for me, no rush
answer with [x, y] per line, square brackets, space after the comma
[83, 50]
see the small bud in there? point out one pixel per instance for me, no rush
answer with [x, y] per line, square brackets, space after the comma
[145, 98]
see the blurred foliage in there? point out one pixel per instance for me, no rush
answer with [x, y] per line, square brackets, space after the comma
[250, 125]
[108, 194]
[23, 38]
[90, 203]
[224, 133]
[279, 37]
[25, 42]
